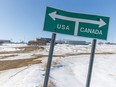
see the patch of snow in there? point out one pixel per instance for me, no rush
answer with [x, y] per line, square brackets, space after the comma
[14, 45]
[10, 47]
[30, 76]
[74, 69]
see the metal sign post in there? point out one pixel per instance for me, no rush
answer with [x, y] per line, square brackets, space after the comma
[49, 60]
[91, 63]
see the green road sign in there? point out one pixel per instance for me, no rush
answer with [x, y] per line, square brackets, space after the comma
[76, 24]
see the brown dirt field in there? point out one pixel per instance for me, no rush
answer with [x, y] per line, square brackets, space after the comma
[11, 64]
[65, 55]
[88, 54]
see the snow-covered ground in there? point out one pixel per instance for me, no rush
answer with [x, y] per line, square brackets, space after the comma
[30, 76]
[66, 71]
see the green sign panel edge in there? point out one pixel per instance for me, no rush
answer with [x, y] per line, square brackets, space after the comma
[76, 24]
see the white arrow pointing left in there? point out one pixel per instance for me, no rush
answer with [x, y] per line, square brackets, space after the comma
[54, 15]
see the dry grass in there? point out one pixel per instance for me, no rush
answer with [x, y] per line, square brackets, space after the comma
[47, 55]
[65, 55]
[4, 57]
[54, 63]
[88, 54]
[50, 84]
[11, 64]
